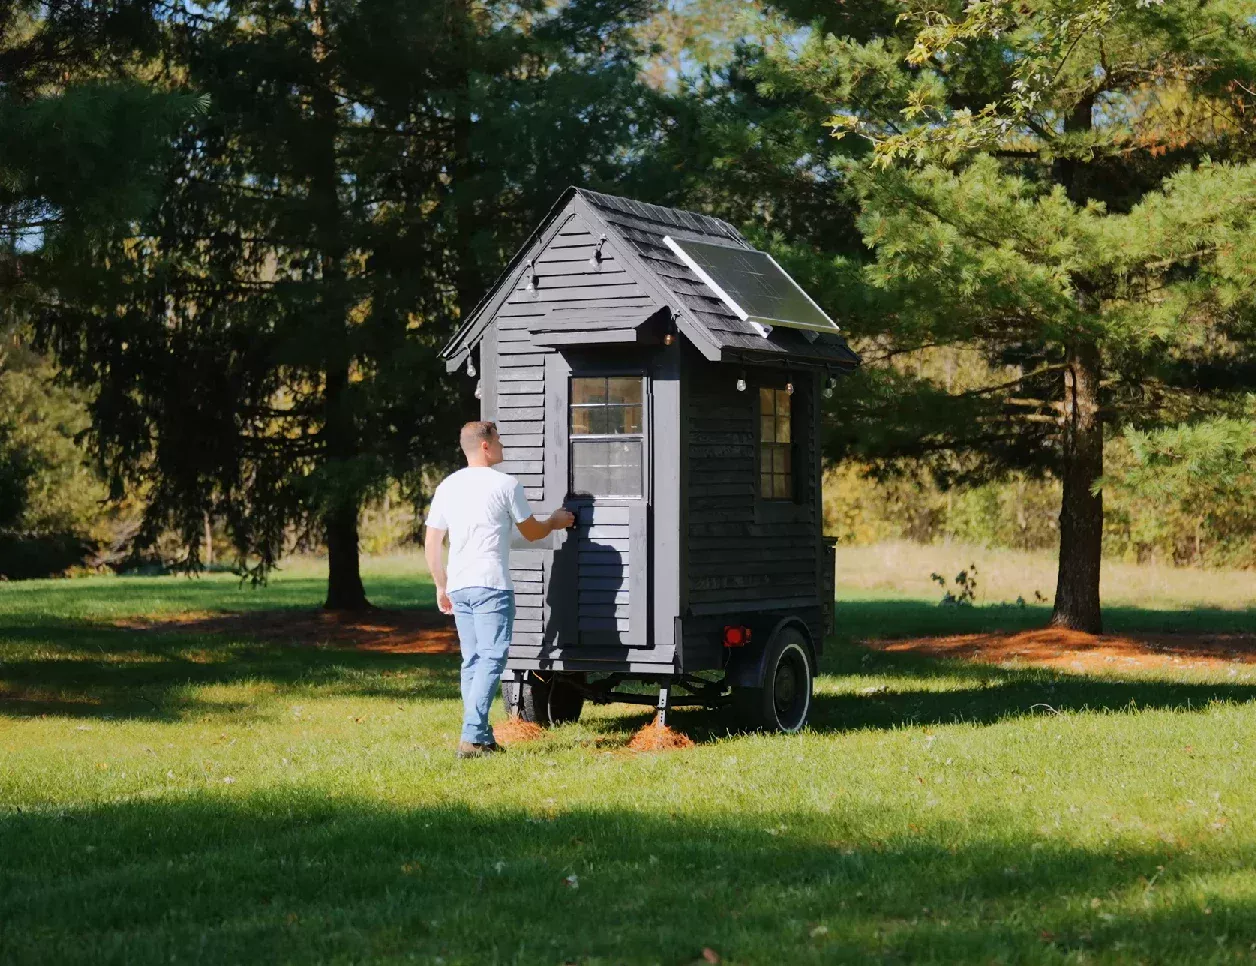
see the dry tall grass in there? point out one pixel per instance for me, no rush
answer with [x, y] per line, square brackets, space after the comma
[1004, 575]
[903, 567]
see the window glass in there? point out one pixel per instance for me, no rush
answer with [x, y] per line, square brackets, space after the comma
[587, 422]
[588, 391]
[607, 444]
[588, 466]
[606, 468]
[605, 407]
[623, 389]
[776, 477]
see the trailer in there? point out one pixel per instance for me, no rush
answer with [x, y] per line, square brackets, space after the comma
[651, 371]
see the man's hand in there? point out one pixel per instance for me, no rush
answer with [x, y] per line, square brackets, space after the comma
[534, 529]
[561, 519]
[443, 602]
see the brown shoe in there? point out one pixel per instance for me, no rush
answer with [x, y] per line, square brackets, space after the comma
[467, 749]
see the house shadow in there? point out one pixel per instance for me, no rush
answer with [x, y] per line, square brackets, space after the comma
[587, 597]
[980, 694]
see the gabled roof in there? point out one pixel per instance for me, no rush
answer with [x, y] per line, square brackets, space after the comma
[698, 312]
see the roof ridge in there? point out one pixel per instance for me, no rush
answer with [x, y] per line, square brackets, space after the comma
[658, 213]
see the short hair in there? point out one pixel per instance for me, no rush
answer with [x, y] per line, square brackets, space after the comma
[476, 432]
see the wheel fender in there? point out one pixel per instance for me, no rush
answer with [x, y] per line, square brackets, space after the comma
[747, 666]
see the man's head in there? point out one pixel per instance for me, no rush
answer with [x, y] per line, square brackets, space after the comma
[481, 444]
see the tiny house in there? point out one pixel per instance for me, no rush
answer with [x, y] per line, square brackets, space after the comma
[653, 372]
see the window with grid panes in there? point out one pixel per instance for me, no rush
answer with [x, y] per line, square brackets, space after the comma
[607, 435]
[776, 471]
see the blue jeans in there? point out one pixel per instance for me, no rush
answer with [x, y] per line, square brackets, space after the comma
[485, 618]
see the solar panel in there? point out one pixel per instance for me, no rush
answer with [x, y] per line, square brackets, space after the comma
[751, 284]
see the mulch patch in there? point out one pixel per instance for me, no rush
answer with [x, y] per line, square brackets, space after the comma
[430, 632]
[514, 730]
[657, 737]
[1075, 651]
[378, 629]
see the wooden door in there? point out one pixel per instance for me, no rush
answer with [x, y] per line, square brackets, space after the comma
[611, 564]
[608, 454]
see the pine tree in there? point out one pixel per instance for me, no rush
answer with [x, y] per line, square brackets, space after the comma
[362, 173]
[85, 142]
[1062, 188]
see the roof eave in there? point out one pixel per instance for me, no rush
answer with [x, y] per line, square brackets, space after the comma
[455, 351]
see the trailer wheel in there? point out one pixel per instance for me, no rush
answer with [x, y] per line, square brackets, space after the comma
[551, 699]
[784, 700]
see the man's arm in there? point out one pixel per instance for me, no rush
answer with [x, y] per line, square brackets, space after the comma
[433, 550]
[533, 529]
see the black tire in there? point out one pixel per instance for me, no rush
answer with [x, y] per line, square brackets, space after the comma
[784, 700]
[550, 699]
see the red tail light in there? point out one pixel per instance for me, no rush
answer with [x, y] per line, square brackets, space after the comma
[736, 636]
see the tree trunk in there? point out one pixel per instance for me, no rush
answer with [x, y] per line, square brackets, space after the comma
[1081, 511]
[344, 579]
[339, 434]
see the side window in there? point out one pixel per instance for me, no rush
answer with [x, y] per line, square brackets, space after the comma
[607, 435]
[776, 449]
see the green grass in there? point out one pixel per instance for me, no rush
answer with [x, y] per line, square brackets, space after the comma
[177, 798]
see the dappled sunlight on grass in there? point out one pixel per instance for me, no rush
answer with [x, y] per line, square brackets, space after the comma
[183, 796]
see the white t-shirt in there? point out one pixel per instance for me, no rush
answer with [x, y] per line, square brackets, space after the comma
[479, 507]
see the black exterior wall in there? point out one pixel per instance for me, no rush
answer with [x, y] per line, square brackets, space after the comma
[645, 586]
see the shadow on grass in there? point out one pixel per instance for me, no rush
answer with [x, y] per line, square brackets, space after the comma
[886, 619]
[1015, 695]
[89, 670]
[93, 669]
[289, 877]
[970, 693]
[981, 705]
[58, 600]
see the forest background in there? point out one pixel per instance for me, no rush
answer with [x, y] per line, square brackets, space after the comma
[233, 237]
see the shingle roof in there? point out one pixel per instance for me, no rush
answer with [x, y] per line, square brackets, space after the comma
[643, 226]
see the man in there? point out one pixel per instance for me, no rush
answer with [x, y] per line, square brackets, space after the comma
[480, 508]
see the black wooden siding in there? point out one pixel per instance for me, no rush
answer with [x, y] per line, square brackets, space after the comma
[564, 278]
[744, 554]
[604, 548]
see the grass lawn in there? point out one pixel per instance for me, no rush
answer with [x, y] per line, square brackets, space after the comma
[176, 798]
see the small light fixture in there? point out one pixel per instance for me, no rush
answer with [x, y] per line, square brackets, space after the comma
[479, 391]
[534, 280]
[470, 367]
[741, 383]
[789, 387]
[828, 387]
[668, 338]
[596, 258]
